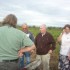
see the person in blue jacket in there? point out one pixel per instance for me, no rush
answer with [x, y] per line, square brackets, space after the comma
[26, 54]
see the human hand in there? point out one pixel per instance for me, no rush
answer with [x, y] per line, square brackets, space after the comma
[63, 31]
[50, 51]
[20, 53]
[32, 51]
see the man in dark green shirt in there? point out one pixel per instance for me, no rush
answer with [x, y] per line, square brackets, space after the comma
[12, 44]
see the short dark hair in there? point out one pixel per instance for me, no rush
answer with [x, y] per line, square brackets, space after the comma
[67, 25]
[10, 20]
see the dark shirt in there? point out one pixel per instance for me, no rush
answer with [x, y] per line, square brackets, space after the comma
[44, 43]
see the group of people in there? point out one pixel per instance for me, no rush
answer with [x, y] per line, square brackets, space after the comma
[15, 45]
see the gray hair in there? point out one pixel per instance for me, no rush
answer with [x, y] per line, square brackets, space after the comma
[43, 25]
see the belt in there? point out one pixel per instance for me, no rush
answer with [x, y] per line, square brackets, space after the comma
[15, 60]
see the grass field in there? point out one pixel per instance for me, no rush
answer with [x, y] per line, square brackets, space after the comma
[54, 57]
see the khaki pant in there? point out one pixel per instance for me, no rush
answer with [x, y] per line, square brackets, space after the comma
[44, 61]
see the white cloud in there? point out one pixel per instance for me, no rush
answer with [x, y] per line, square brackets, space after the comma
[35, 12]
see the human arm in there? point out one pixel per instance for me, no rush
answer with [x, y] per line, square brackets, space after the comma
[60, 36]
[52, 43]
[26, 49]
[26, 45]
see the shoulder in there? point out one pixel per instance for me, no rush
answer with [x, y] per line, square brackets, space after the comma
[38, 35]
[49, 34]
[19, 32]
[30, 32]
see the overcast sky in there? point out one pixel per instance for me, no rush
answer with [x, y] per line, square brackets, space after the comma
[36, 12]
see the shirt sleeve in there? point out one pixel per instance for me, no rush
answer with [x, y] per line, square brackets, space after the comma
[26, 41]
[52, 42]
[31, 37]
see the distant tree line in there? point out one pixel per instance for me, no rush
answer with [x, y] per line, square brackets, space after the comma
[47, 27]
[37, 26]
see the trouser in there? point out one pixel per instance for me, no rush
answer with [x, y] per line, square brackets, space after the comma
[9, 66]
[44, 61]
[27, 58]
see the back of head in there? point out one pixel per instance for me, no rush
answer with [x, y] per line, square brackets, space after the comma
[10, 20]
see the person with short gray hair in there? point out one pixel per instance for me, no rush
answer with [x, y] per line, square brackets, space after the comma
[26, 54]
[45, 45]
